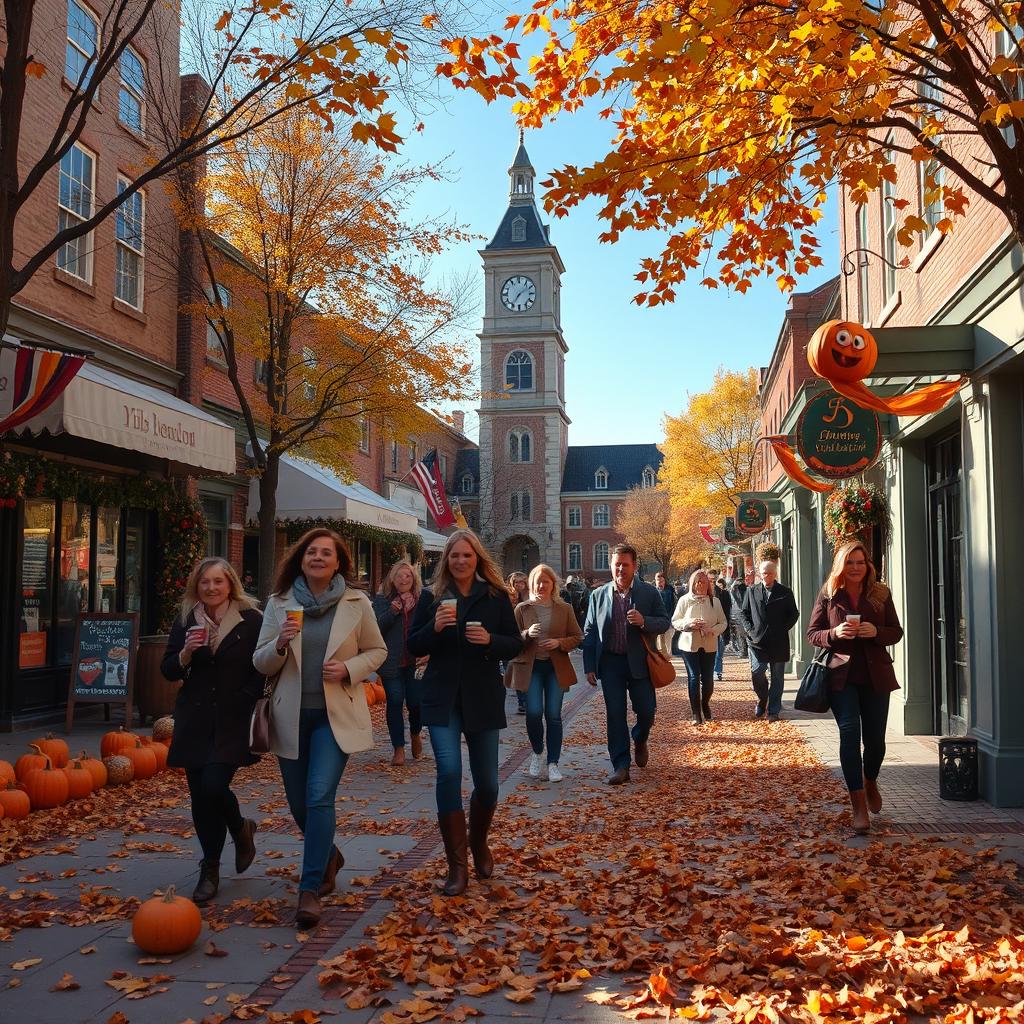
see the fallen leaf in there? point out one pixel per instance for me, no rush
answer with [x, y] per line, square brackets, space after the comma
[210, 949]
[24, 965]
[67, 983]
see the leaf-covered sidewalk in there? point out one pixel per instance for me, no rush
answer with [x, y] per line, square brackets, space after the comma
[722, 883]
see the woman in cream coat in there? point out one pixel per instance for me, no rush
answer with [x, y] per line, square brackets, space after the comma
[320, 638]
[700, 619]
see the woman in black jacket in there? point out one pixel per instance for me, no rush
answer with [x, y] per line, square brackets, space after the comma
[466, 626]
[210, 648]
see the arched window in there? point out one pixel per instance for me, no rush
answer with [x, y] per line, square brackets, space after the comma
[601, 555]
[467, 483]
[520, 506]
[647, 479]
[519, 371]
[520, 445]
[575, 557]
[600, 516]
[601, 479]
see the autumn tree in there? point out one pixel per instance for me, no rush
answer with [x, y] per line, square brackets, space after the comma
[325, 283]
[733, 117]
[340, 58]
[645, 520]
[709, 452]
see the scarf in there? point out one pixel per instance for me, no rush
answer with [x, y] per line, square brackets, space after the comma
[317, 606]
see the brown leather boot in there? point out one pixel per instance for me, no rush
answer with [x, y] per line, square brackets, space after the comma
[334, 864]
[307, 914]
[453, 832]
[874, 798]
[398, 757]
[480, 818]
[245, 845]
[861, 819]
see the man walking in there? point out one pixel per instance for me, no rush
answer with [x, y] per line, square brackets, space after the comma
[618, 616]
[668, 599]
[739, 591]
[769, 613]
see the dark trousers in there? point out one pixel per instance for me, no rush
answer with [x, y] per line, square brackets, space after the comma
[739, 640]
[446, 743]
[616, 682]
[403, 690]
[700, 678]
[861, 713]
[769, 693]
[215, 809]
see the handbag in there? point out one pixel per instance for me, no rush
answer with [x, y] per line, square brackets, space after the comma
[259, 723]
[813, 695]
[659, 667]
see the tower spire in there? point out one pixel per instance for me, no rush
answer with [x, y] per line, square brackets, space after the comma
[521, 174]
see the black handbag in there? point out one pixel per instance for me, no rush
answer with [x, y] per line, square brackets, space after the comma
[813, 695]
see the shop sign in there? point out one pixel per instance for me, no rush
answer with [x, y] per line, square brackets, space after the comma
[836, 437]
[729, 532]
[752, 516]
[103, 664]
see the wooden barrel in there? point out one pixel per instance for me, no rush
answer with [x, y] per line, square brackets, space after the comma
[154, 695]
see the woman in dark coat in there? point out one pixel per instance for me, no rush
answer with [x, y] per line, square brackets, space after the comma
[210, 648]
[466, 626]
[855, 619]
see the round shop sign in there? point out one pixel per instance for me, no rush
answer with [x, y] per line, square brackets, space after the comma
[752, 516]
[836, 438]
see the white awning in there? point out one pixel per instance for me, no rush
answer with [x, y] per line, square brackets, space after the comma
[306, 490]
[432, 541]
[104, 406]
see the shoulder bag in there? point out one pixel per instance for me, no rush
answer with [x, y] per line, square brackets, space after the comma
[813, 695]
[259, 723]
[659, 667]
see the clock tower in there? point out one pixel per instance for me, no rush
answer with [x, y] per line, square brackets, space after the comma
[523, 423]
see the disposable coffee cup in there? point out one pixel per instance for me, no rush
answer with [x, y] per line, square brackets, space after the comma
[450, 602]
[854, 620]
[201, 631]
[474, 623]
[295, 614]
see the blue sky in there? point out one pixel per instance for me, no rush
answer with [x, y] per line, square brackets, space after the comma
[621, 356]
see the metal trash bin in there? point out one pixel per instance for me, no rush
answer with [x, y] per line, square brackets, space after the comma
[958, 768]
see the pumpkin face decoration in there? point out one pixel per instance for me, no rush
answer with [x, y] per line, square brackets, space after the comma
[842, 350]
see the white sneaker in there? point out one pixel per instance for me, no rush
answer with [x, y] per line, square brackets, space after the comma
[535, 765]
[554, 775]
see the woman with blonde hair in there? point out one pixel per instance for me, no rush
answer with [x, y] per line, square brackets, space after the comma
[464, 622]
[210, 649]
[549, 630]
[394, 607]
[518, 591]
[700, 619]
[854, 617]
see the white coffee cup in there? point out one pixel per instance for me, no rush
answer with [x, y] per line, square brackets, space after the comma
[854, 620]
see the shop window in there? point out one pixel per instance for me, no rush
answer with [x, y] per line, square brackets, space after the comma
[36, 608]
[363, 561]
[215, 510]
[108, 531]
[134, 560]
[73, 594]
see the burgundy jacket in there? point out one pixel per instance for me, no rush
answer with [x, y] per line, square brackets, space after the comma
[831, 611]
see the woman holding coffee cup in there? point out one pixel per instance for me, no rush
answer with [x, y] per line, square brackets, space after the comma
[854, 617]
[464, 622]
[321, 639]
[210, 649]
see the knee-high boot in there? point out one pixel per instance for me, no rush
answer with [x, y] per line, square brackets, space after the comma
[480, 818]
[453, 832]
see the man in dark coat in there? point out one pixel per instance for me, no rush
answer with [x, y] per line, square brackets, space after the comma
[769, 613]
[739, 592]
[668, 599]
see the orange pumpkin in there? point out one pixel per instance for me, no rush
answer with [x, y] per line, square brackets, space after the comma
[158, 750]
[166, 925]
[96, 768]
[163, 729]
[30, 762]
[842, 350]
[79, 780]
[143, 760]
[119, 769]
[46, 787]
[371, 694]
[378, 690]
[15, 802]
[7, 773]
[117, 742]
[55, 749]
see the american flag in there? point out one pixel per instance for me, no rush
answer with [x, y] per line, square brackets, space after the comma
[426, 473]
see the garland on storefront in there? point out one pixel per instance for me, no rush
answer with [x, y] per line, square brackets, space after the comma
[854, 511]
[180, 517]
[394, 544]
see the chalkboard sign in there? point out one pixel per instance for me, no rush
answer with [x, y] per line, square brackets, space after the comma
[103, 666]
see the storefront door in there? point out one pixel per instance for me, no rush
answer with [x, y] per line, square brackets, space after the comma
[950, 681]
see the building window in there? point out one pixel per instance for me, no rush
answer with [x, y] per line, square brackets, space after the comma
[394, 456]
[83, 36]
[75, 201]
[467, 483]
[889, 226]
[519, 371]
[601, 555]
[519, 229]
[520, 446]
[412, 453]
[215, 342]
[863, 243]
[520, 506]
[600, 515]
[364, 434]
[131, 97]
[215, 512]
[601, 479]
[260, 371]
[647, 478]
[129, 231]
[308, 385]
[575, 517]
[575, 560]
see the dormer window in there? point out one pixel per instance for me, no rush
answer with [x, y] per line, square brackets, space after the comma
[519, 229]
[601, 479]
[647, 478]
[467, 483]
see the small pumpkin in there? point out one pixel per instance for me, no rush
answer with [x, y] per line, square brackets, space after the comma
[371, 694]
[378, 690]
[143, 760]
[80, 782]
[116, 742]
[7, 773]
[55, 749]
[30, 762]
[96, 768]
[167, 924]
[158, 750]
[163, 729]
[15, 802]
[119, 769]
[46, 787]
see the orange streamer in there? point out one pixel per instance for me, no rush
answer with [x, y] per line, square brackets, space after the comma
[924, 400]
[787, 459]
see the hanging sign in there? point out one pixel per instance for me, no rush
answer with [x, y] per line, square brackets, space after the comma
[103, 665]
[752, 516]
[729, 532]
[836, 438]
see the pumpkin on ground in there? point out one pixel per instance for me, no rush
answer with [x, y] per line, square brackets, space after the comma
[15, 802]
[119, 769]
[158, 750]
[117, 742]
[163, 729]
[46, 787]
[30, 762]
[80, 782]
[166, 925]
[96, 768]
[55, 749]
[7, 773]
[143, 760]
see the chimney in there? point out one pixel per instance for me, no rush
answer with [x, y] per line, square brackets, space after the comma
[459, 421]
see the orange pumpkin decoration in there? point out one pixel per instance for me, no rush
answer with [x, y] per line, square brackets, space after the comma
[15, 802]
[46, 787]
[158, 750]
[371, 694]
[96, 768]
[7, 773]
[30, 762]
[163, 729]
[167, 924]
[119, 769]
[79, 780]
[842, 350]
[117, 742]
[378, 690]
[55, 749]
[143, 760]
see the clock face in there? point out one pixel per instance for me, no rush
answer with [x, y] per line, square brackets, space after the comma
[518, 293]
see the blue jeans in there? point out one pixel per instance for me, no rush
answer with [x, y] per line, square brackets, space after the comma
[544, 705]
[446, 741]
[769, 695]
[720, 652]
[311, 785]
[700, 678]
[860, 711]
[402, 689]
[616, 682]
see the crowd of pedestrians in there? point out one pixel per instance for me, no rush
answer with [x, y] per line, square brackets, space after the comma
[448, 653]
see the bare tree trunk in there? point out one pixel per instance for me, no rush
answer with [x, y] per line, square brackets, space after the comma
[268, 525]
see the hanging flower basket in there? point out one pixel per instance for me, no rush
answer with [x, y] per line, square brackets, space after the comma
[854, 512]
[767, 552]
